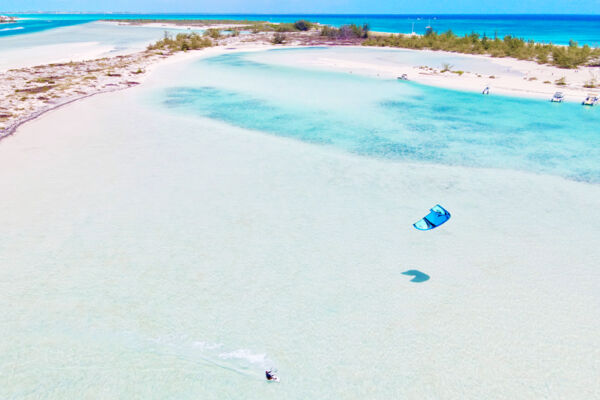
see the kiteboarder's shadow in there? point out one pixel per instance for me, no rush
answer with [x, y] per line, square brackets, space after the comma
[418, 275]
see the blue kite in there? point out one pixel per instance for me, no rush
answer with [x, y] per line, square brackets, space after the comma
[437, 216]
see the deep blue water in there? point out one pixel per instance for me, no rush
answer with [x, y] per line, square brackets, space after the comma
[394, 120]
[558, 29]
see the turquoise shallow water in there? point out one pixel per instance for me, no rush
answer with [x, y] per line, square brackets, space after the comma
[547, 28]
[120, 38]
[392, 119]
[75, 42]
[152, 253]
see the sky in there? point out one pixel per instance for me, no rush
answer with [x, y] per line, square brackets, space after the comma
[311, 6]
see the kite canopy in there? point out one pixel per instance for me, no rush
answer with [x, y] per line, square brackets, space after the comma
[437, 216]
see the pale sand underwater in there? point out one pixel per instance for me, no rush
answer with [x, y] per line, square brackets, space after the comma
[77, 43]
[139, 242]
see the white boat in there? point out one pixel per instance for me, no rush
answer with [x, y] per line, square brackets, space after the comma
[590, 100]
[558, 97]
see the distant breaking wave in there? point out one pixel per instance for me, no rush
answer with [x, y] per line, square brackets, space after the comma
[11, 29]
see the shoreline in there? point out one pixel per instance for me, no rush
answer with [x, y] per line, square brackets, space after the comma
[182, 205]
[30, 92]
[145, 245]
[524, 79]
[11, 128]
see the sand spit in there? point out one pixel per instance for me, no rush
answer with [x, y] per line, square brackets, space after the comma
[30, 92]
[27, 93]
[510, 77]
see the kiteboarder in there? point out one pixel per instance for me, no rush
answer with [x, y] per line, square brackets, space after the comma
[271, 376]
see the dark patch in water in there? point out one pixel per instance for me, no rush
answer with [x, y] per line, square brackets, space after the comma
[420, 124]
[418, 275]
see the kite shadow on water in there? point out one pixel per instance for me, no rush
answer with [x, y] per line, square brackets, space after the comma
[417, 275]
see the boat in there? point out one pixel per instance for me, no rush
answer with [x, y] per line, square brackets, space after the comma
[558, 97]
[429, 28]
[590, 100]
[403, 77]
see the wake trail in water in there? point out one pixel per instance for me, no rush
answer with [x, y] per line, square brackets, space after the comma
[242, 361]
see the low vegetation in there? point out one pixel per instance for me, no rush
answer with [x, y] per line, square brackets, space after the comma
[303, 25]
[298, 26]
[198, 22]
[351, 31]
[591, 84]
[181, 42]
[278, 38]
[31, 90]
[39, 89]
[213, 33]
[570, 56]
[49, 80]
[234, 25]
[446, 67]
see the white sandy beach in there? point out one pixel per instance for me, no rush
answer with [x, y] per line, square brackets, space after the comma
[150, 228]
[504, 76]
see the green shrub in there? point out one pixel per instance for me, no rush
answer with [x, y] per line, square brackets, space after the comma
[212, 33]
[561, 56]
[446, 67]
[278, 38]
[285, 27]
[591, 84]
[351, 31]
[302, 25]
[561, 82]
[327, 30]
[181, 42]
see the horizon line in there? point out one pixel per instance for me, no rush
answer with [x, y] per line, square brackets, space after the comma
[288, 14]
